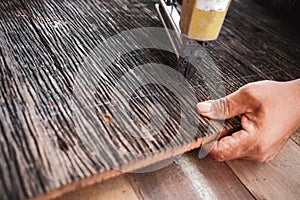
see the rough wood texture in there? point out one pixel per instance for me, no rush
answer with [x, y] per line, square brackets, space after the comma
[58, 122]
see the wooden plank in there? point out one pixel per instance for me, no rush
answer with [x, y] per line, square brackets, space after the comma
[58, 124]
[277, 179]
[166, 183]
[190, 178]
[118, 188]
[50, 147]
[132, 166]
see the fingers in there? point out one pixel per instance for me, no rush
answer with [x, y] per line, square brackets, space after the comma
[224, 108]
[232, 147]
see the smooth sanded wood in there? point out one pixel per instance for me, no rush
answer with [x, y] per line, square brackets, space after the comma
[59, 120]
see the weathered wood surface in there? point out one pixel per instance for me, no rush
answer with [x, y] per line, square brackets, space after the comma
[58, 121]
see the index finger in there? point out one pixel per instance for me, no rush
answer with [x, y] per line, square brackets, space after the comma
[232, 147]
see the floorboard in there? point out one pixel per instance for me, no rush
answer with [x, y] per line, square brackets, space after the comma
[277, 179]
[191, 178]
[118, 188]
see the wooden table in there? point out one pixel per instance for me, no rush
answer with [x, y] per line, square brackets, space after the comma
[60, 125]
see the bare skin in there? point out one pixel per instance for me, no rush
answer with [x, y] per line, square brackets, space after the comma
[270, 113]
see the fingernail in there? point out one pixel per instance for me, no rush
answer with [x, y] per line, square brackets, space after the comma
[204, 107]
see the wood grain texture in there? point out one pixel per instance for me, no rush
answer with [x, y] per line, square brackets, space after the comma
[277, 179]
[190, 178]
[118, 188]
[58, 120]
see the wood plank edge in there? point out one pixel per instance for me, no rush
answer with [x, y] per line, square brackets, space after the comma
[137, 164]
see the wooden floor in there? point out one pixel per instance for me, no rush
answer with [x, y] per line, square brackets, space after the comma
[62, 121]
[192, 178]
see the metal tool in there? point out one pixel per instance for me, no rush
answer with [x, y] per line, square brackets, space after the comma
[195, 22]
[170, 17]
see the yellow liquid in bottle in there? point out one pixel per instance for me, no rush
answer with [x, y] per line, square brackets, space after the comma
[202, 25]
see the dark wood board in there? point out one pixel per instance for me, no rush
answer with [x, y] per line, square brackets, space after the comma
[58, 120]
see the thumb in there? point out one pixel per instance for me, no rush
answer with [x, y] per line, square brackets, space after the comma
[224, 108]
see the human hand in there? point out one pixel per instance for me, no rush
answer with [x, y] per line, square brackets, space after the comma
[270, 113]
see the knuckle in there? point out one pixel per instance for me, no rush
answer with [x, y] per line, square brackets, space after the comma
[262, 153]
[248, 90]
[260, 149]
[254, 91]
[226, 106]
[218, 156]
[221, 107]
[219, 159]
